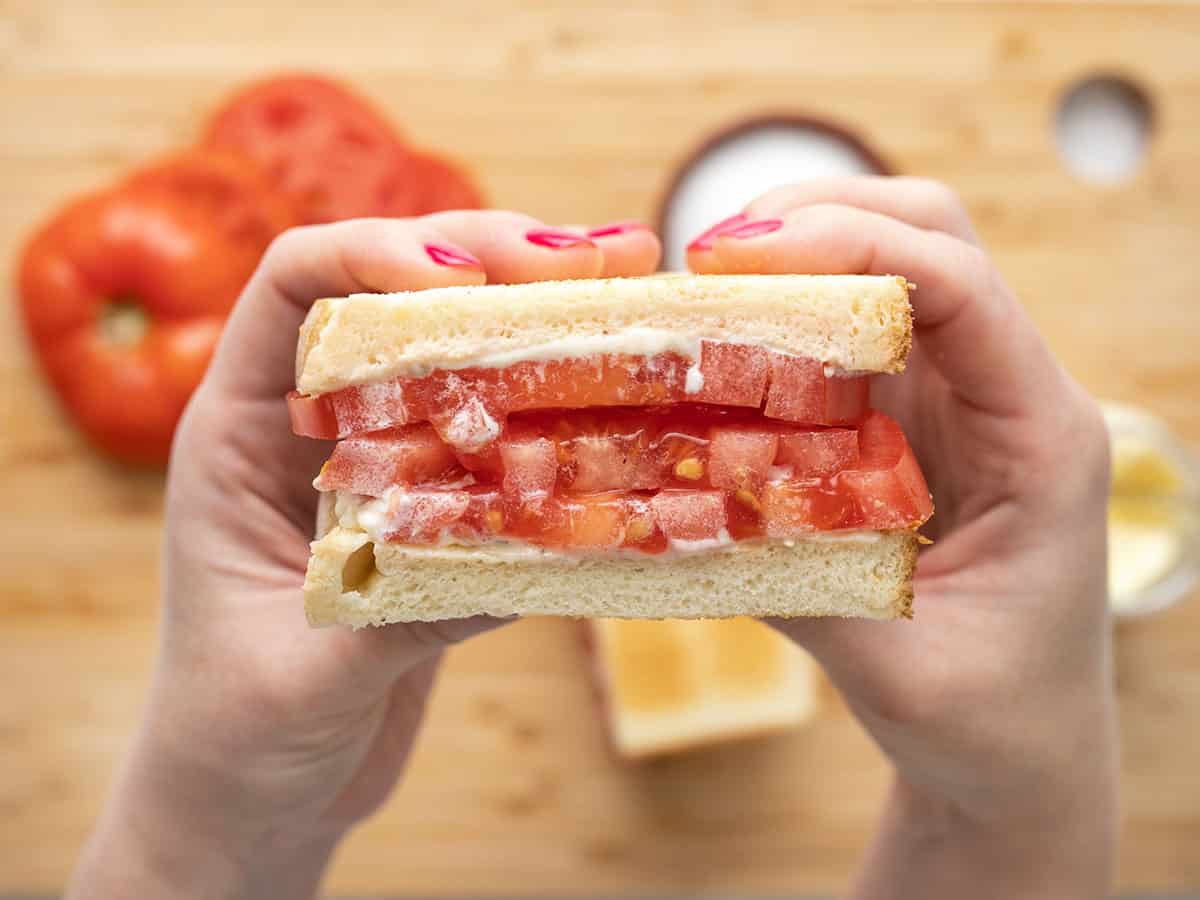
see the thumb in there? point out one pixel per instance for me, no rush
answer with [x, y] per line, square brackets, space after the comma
[377, 656]
[870, 662]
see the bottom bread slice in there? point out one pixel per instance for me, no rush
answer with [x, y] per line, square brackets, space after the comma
[354, 581]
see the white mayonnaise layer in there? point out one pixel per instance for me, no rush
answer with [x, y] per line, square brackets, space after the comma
[628, 342]
[631, 341]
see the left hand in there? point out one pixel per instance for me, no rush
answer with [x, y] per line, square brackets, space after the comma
[265, 741]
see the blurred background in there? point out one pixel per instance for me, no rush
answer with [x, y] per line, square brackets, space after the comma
[1072, 132]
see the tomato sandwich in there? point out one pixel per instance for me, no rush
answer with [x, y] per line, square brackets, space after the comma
[684, 446]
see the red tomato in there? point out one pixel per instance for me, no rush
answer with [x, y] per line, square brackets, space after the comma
[610, 380]
[794, 508]
[369, 464]
[322, 144]
[443, 185]
[124, 295]
[592, 521]
[231, 190]
[800, 392]
[690, 515]
[816, 454]
[417, 517]
[530, 470]
[887, 486]
[740, 457]
[734, 374]
[539, 456]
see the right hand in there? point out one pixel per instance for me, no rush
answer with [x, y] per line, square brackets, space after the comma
[996, 704]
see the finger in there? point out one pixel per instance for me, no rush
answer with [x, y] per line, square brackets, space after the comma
[860, 656]
[516, 248]
[969, 324]
[700, 254]
[256, 355]
[922, 202]
[630, 248]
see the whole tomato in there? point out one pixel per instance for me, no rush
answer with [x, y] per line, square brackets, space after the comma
[124, 295]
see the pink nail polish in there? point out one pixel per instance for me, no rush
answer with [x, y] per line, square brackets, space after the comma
[753, 229]
[617, 228]
[704, 241]
[554, 239]
[445, 255]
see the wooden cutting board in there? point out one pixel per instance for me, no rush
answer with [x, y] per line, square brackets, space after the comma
[578, 112]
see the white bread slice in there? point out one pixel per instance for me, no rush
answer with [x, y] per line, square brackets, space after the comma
[857, 323]
[676, 685]
[353, 581]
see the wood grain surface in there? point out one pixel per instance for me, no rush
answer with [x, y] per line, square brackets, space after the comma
[577, 112]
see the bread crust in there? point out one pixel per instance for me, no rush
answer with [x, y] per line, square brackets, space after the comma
[351, 581]
[858, 323]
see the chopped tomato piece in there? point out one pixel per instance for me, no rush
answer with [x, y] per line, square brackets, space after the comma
[371, 463]
[586, 520]
[794, 508]
[530, 469]
[313, 416]
[887, 486]
[609, 462]
[420, 516]
[800, 392]
[847, 399]
[739, 458]
[734, 374]
[818, 453]
[690, 515]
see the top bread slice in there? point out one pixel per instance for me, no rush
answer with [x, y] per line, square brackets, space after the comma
[853, 323]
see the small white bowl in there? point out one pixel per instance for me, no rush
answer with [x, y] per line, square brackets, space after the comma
[1154, 514]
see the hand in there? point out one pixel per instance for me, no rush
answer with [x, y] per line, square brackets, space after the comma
[995, 705]
[265, 740]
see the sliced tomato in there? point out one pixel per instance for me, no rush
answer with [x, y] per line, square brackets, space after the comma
[443, 185]
[229, 189]
[323, 145]
[800, 392]
[734, 374]
[887, 487]
[530, 470]
[795, 508]
[689, 515]
[817, 453]
[369, 464]
[740, 457]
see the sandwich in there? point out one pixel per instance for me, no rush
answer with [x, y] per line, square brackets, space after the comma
[689, 446]
[672, 686]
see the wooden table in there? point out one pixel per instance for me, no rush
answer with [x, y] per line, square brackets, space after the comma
[578, 112]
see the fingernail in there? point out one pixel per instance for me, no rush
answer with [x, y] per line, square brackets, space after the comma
[555, 239]
[753, 229]
[617, 228]
[445, 255]
[705, 240]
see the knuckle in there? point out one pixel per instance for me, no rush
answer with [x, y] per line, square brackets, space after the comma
[286, 245]
[940, 196]
[942, 203]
